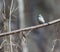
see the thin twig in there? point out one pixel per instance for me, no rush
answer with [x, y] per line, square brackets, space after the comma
[14, 9]
[54, 41]
[29, 32]
[14, 16]
[10, 25]
[4, 6]
[53, 45]
[26, 34]
[2, 44]
[24, 43]
[29, 28]
[17, 45]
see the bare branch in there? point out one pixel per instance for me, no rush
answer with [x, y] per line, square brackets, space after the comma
[29, 32]
[4, 5]
[2, 44]
[53, 45]
[29, 28]
[10, 25]
[54, 41]
[14, 9]
[26, 34]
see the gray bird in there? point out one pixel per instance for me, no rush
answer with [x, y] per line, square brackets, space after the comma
[41, 19]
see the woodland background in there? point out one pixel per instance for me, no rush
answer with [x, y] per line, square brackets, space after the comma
[18, 14]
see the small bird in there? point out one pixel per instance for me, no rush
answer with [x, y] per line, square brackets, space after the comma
[40, 19]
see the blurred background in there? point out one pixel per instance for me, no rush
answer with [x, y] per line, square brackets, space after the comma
[17, 14]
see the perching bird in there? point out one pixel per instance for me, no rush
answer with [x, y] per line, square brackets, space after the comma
[40, 19]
